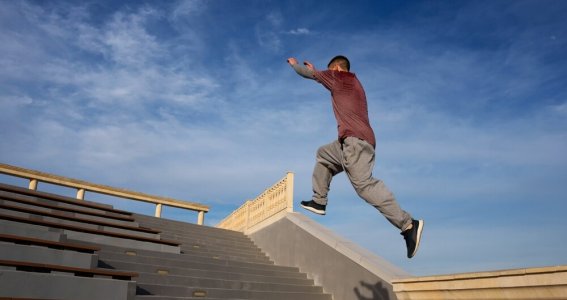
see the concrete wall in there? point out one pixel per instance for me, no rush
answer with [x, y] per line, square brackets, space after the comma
[341, 267]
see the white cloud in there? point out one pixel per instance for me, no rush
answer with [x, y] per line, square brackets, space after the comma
[268, 32]
[268, 39]
[560, 109]
[136, 69]
[128, 42]
[275, 19]
[187, 9]
[300, 31]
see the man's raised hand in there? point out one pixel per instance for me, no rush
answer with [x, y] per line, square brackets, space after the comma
[292, 61]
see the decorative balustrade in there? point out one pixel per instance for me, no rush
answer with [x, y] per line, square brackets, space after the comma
[35, 177]
[273, 201]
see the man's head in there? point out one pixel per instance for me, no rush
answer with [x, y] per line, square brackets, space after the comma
[339, 63]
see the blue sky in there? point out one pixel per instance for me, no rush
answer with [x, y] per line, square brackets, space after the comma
[194, 100]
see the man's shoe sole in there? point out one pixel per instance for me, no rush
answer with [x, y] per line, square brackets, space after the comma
[314, 210]
[418, 238]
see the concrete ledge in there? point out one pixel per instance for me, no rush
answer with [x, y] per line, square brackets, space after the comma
[61, 206]
[83, 223]
[54, 286]
[121, 242]
[62, 234]
[54, 225]
[22, 240]
[30, 231]
[341, 267]
[48, 256]
[532, 283]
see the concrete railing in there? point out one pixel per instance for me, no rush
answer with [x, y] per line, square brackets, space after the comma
[531, 283]
[275, 200]
[35, 177]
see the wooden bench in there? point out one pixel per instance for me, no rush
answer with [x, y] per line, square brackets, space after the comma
[22, 199]
[76, 219]
[21, 240]
[63, 199]
[47, 268]
[87, 230]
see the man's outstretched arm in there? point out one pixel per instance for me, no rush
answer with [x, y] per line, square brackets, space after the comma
[307, 70]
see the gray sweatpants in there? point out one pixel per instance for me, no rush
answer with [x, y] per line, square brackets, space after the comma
[356, 158]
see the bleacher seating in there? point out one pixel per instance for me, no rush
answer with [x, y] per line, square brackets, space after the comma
[57, 247]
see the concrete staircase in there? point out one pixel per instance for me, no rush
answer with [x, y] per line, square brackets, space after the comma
[69, 249]
[214, 264]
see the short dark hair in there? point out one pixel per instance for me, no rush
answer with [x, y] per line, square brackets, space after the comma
[340, 60]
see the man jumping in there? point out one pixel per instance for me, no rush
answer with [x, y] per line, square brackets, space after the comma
[353, 151]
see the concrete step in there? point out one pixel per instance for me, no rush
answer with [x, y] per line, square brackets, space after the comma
[188, 255]
[148, 278]
[191, 253]
[177, 290]
[184, 261]
[30, 231]
[217, 246]
[227, 255]
[32, 285]
[225, 252]
[154, 265]
[50, 209]
[203, 237]
[121, 242]
[204, 234]
[178, 226]
[188, 227]
[72, 222]
[218, 273]
[55, 205]
[213, 241]
[207, 250]
[208, 246]
[100, 237]
[44, 255]
[158, 297]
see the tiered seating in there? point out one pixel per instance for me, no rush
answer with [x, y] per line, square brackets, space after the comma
[38, 261]
[59, 247]
[79, 220]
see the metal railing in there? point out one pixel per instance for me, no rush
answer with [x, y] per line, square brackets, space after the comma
[35, 177]
[276, 199]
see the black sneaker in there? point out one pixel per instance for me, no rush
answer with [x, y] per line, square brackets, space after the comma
[413, 237]
[314, 207]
